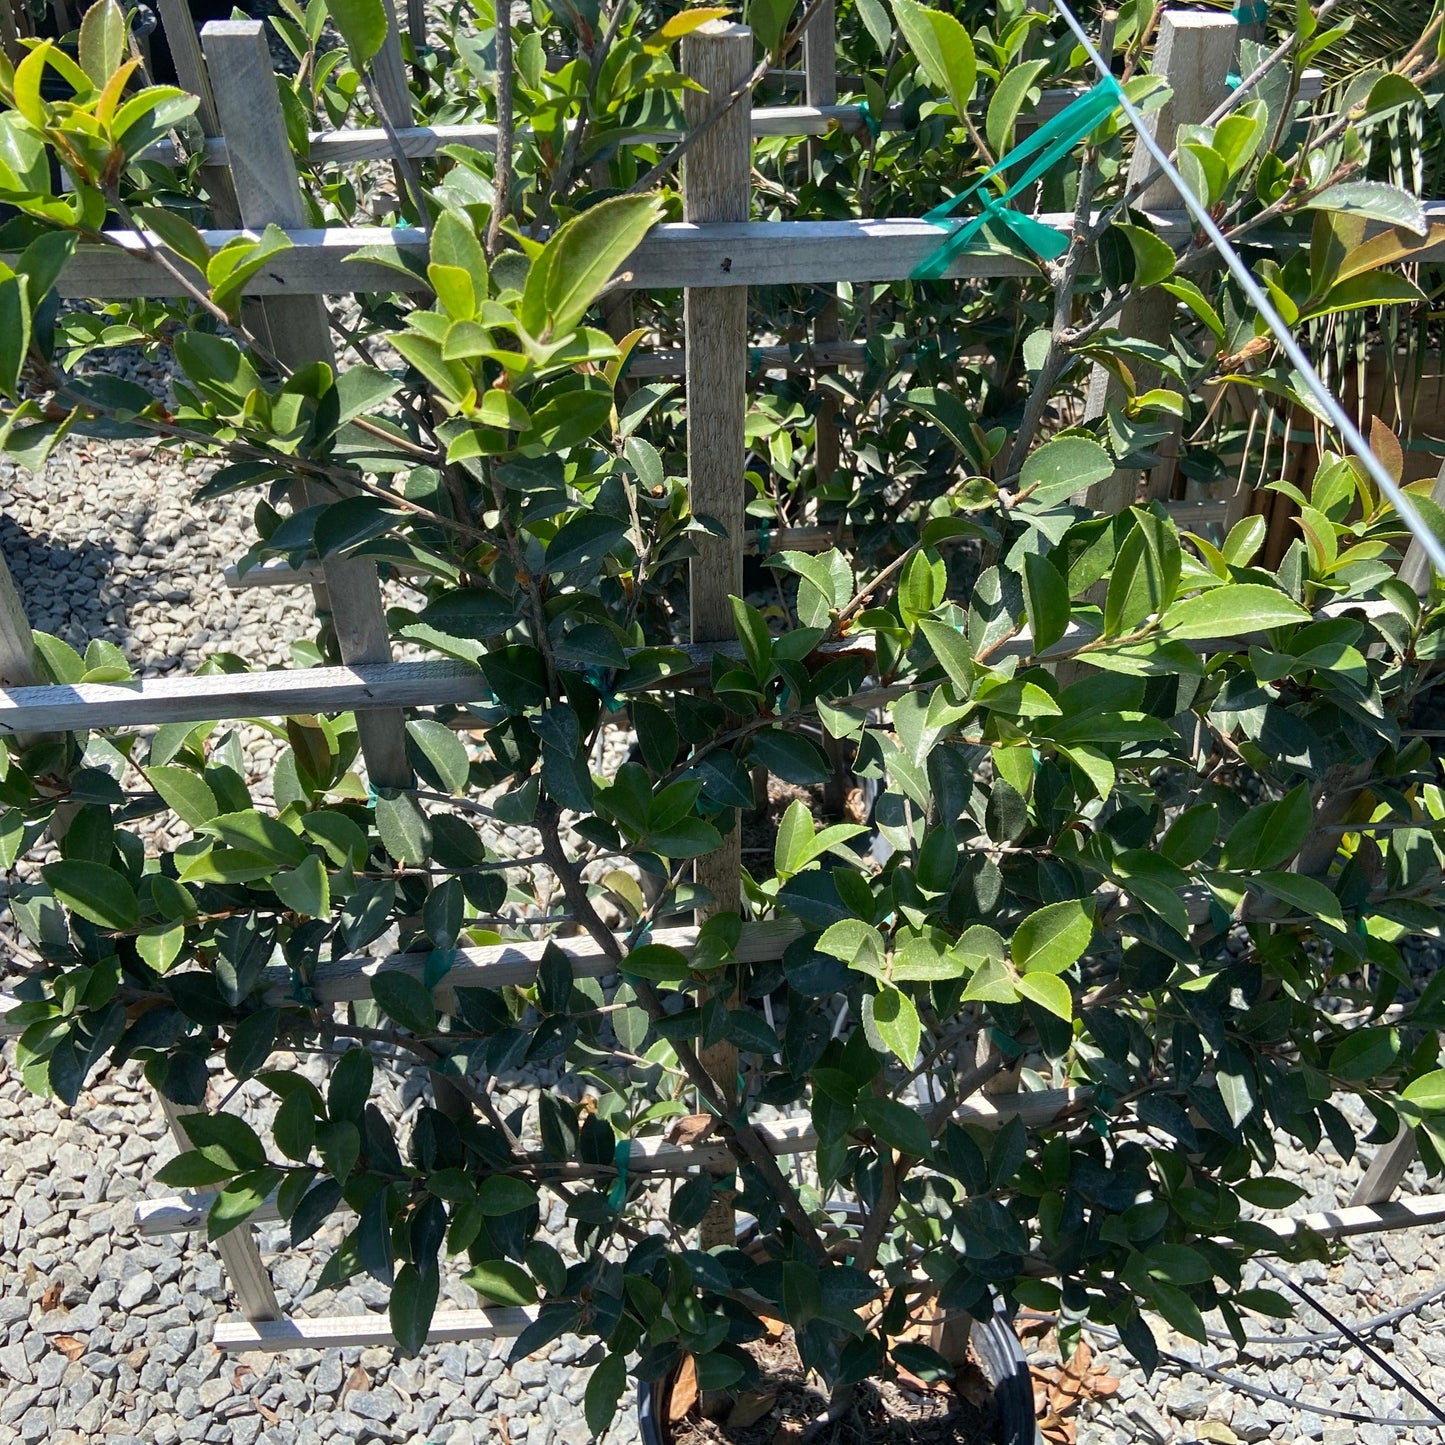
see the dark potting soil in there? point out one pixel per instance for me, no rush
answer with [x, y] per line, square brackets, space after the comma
[787, 1405]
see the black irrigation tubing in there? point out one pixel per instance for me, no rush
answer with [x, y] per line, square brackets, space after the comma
[1433, 1406]
[1364, 1327]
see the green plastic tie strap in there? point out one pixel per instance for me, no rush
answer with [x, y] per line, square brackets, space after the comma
[621, 1157]
[874, 124]
[600, 679]
[1049, 143]
[1251, 12]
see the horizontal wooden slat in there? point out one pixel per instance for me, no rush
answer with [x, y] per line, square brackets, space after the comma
[677, 255]
[507, 965]
[220, 696]
[182, 1213]
[340, 1331]
[456, 1325]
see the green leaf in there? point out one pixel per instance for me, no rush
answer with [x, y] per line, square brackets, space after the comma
[238, 1202]
[1046, 600]
[1309, 895]
[225, 1140]
[294, 1129]
[657, 961]
[305, 889]
[1179, 1310]
[413, 1303]
[1008, 99]
[185, 793]
[1365, 1054]
[362, 24]
[896, 1124]
[1269, 1193]
[1048, 991]
[406, 1000]
[858, 944]
[952, 651]
[1055, 471]
[587, 252]
[14, 332]
[943, 49]
[1427, 1093]
[350, 1084]
[160, 945]
[1240, 607]
[504, 1194]
[584, 541]
[95, 892]
[1053, 938]
[1375, 201]
[102, 42]
[1153, 256]
[192, 1170]
[404, 827]
[604, 1390]
[895, 1020]
[1190, 835]
[500, 1282]
[338, 1141]
[443, 750]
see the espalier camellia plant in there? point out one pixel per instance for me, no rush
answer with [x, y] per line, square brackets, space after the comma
[1151, 825]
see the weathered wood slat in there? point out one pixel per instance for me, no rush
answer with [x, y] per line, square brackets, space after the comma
[674, 256]
[784, 1137]
[505, 965]
[457, 1325]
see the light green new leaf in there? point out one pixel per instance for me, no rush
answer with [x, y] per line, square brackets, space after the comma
[102, 41]
[586, 254]
[1229, 611]
[1427, 1093]
[1058, 469]
[858, 944]
[500, 1282]
[943, 49]
[1054, 937]
[895, 1021]
[362, 24]
[1048, 992]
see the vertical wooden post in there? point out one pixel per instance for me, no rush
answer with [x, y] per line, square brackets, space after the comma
[1194, 52]
[388, 70]
[416, 23]
[185, 46]
[716, 181]
[820, 75]
[255, 1293]
[17, 644]
[9, 35]
[268, 190]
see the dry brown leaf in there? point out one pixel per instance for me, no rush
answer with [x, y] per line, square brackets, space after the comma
[788, 1433]
[504, 1430]
[750, 1408]
[774, 1327]
[358, 1379]
[238, 1377]
[266, 1413]
[68, 1346]
[684, 1391]
[50, 1300]
[691, 1129]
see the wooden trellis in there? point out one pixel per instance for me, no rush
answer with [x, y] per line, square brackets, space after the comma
[714, 256]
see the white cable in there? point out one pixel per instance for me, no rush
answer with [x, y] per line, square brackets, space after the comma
[1336, 413]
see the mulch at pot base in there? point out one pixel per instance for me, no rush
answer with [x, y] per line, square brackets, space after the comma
[783, 1410]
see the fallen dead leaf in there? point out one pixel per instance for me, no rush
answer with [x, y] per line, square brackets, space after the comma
[50, 1300]
[774, 1327]
[684, 1391]
[68, 1346]
[692, 1129]
[238, 1377]
[504, 1430]
[1060, 1389]
[750, 1408]
[266, 1413]
[358, 1379]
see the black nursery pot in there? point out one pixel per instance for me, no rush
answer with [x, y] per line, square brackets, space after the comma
[1000, 1356]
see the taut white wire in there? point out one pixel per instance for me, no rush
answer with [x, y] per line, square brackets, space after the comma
[1336, 413]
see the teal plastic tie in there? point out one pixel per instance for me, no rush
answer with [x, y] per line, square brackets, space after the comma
[1049, 143]
[1251, 12]
[599, 678]
[621, 1157]
[1234, 80]
[874, 124]
[763, 530]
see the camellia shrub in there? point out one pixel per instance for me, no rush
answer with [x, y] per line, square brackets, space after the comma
[1155, 830]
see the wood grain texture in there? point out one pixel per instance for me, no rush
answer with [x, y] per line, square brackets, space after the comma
[1389, 1166]
[1194, 53]
[674, 256]
[716, 187]
[269, 191]
[388, 73]
[238, 1250]
[214, 698]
